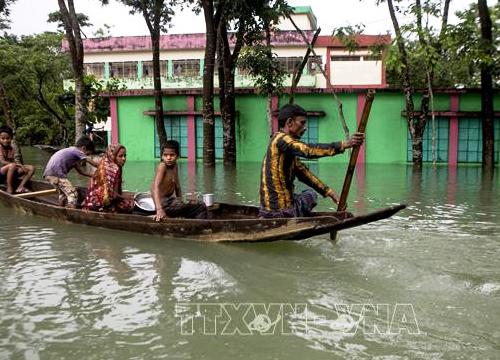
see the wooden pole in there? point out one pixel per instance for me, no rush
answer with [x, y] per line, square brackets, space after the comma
[355, 151]
[36, 193]
[354, 156]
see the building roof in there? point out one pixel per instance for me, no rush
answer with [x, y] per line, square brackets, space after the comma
[197, 41]
[361, 40]
[175, 42]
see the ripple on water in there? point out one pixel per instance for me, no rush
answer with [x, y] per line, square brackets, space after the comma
[201, 280]
[488, 288]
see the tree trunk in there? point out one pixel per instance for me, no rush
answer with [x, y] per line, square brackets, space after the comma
[269, 111]
[79, 108]
[75, 43]
[267, 29]
[208, 84]
[160, 124]
[227, 93]
[487, 87]
[416, 129]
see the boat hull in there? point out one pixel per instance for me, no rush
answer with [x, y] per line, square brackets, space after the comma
[226, 222]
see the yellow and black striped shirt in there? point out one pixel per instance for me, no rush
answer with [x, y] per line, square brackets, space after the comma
[281, 166]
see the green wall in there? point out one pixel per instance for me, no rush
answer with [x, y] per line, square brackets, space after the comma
[386, 131]
[136, 130]
[252, 134]
[386, 134]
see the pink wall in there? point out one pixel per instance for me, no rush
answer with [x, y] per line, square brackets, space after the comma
[191, 130]
[113, 105]
[359, 112]
[453, 141]
[328, 69]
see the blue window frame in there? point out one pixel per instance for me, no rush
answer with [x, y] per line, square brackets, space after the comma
[176, 129]
[311, 136]
[470, 140]
[442, 141]
[219, 148]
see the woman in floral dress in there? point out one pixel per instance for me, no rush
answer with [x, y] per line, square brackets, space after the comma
[105, 189]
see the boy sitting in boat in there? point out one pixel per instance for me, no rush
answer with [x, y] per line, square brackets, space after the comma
[11, 168]
[282, 165]
[60, 164]
[166, 189]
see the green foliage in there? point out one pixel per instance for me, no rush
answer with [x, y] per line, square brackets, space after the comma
[263, 65]
[56, 17]
[455, 55]
[5, 13]
[103, 32]
[466, 51]
[348, 36]
[148, 9]
[32, 70]
[256, 57]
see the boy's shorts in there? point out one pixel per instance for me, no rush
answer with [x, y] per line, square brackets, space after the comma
[67, 192]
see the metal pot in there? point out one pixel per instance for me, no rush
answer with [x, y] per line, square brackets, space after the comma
[145, 202]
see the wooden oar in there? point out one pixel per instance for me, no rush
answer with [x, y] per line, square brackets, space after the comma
[36, 193]
[354, 156]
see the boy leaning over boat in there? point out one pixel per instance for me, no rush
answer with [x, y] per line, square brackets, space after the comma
[11, 168]
[59, 165]
[281, 165]
[166, 189]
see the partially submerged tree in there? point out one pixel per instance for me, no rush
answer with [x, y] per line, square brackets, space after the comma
[487, 68]
[72, 28]
[157, 14]
[429, 45]
[243, 23]
[212, 16]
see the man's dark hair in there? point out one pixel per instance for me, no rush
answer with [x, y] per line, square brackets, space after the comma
[87, 142]
[171, 144]
[6, 129]
[289, 111]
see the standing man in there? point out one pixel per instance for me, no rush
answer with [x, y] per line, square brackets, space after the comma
[282, 165]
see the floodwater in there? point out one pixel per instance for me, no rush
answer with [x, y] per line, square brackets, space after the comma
[424, 284]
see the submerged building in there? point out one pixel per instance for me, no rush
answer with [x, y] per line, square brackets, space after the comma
[348, 74]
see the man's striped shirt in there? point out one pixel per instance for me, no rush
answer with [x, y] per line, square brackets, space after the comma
[281, 166]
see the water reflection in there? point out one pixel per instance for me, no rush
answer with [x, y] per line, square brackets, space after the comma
[95, 293]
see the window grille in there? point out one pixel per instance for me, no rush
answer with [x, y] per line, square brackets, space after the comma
[470, 140]
[219, 148]
[442, 141]
[345, 58]
[176, 129]
[186, 68]
[96, 69]
[147, 69]
[311, 136]
[123, 70]
[288, 64]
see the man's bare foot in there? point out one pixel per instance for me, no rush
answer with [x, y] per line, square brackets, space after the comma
[22, 190]
[10, 190]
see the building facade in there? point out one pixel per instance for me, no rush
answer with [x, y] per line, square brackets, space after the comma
[348, 74]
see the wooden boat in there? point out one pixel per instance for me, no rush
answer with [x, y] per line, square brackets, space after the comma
[226, 222]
